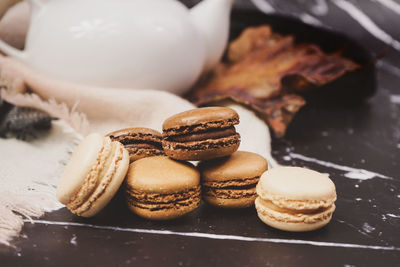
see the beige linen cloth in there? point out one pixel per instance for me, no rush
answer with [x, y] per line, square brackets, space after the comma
[29, 170]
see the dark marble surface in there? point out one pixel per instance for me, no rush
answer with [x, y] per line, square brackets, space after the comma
[357, 144]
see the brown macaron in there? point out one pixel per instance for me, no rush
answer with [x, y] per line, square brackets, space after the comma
[160, 188]
[201, 134]
[230, 182]
[140, 142]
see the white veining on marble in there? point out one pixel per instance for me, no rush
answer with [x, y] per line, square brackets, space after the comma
[393, 215]
[267, 7]
[367, 23]
[364, 233]
[308, 19]
[287, 158]
[388, 67]
[73, 240]
[320, 8]
[390, 4]
[264, 6]
[352, 173]
[325, 133]
[368, 228]
[395, 99]
[359, 175]
[219, 237]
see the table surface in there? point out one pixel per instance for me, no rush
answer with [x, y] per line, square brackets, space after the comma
[358, 145]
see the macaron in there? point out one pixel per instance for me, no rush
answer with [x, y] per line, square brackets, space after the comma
[295, 199]
[201, 134]
[160, 188]
[93, 175]
[140, 142]
[230, 182]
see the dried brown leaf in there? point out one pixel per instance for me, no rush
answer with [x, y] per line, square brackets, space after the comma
[265, 70]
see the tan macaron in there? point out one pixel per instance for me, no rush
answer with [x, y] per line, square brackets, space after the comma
[93, 175]
[230, 182]
[160, 188]
[295, 199]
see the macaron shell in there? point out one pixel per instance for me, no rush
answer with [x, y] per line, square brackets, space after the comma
[292, 222]
[235, 193]
[136, 130]
[233, 203]
[203, 154]
[77, 169]
[133, 138]
[292, 227]
[91, 181]
[108, 186]
[161, 174]
[173, 212]
[297, 188]
[160, 188]
[200, 116]
[240, 165]
[230, 182]
[136, 154]
[236, 183]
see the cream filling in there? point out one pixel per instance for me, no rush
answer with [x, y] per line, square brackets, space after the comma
[99, 180]
[104, 179]
[91, 180]
[268, 209]
[296, 204]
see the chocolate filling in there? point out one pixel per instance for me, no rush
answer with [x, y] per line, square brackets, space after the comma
[204, 145]
[180, 199]
[141, 144]
[240, 187]
[200, 127]
[178, 205]
[225, 194]
[141, 201]
[209, 134]
[137, 137]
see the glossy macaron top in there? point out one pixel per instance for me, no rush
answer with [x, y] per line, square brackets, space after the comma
[307, 188]
[240, 164]
[136, 131]
[202, 116]
[161, 174]
[83, 159]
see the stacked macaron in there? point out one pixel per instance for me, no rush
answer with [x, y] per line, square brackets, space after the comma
[161, 185]
[157, 187]
[201, 134]
[161, 188]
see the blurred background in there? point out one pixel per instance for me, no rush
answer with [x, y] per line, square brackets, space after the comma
[374, 23]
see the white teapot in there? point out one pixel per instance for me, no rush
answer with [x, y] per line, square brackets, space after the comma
[154, 44]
